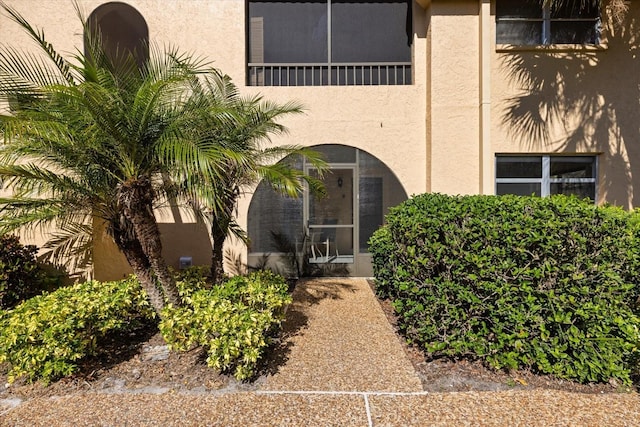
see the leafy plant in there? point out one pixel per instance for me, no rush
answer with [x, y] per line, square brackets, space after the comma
[297, 259]
[44, 337]
[20, 275]
[232, 321]
[548, 284]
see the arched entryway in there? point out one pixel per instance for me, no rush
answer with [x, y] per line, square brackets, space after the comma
[331, 232]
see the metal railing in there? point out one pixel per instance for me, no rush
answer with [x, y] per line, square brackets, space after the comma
[334, 74]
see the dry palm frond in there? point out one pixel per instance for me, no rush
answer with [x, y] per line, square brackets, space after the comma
[618, 9]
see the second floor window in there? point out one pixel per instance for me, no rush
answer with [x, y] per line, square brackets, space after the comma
[532, 22]
[329, 42]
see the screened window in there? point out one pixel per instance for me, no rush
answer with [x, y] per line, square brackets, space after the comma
[360, 188]
[546, 175]
[531, 22]
[329, 42]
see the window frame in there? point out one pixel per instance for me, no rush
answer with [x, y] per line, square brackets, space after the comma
[546, 21]
[328, 72]
[545, 180]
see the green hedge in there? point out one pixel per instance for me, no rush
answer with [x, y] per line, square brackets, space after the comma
[548, 284]
[45, 336]
[233, 322]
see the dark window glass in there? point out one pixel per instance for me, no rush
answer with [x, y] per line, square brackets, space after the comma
[519, 189]
[329, 42]
[547, 175]
[519, 32]
[519, 167]
[279, 220]
[122, 30]
[336, 205]
[582, 190]
[369, 31]
[576, 32]
[379, 191]
[572, 167]
[334, 153]
[531, 22]
[288, 31]
[575, 9]
[519, 9]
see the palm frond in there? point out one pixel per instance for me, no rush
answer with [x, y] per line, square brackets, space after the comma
[38, 36]
[30, 214]
[70, 246]
[40, 181]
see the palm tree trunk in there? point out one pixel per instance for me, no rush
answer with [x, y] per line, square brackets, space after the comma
[136, 198]
[141, 269]
[132, 250]
[219, 232]
[219, 235]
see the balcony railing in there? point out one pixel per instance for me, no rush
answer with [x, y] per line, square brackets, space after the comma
[335, 74]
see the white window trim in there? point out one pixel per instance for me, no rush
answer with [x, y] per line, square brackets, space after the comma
[545, 180]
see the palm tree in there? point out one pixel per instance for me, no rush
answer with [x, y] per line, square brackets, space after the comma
[242, 125]
[102, 138]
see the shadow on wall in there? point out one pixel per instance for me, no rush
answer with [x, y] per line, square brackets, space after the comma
[585, 101]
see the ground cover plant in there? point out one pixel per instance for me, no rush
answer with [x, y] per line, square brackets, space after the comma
[546, 284]
[44, 337]
[233, 321]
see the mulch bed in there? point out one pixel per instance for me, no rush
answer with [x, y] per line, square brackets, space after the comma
[125, 364]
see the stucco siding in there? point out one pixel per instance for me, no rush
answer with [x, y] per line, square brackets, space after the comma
[454, 97]
[469, 100]
[586, 101]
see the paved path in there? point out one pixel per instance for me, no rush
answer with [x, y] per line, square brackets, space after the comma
[338, 339]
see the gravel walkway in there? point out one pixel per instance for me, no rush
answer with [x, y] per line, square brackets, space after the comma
[340, 365]
[522, 408]
[340, 340]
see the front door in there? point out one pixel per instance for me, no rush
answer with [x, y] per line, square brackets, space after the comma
[331, 220]
[329, 233]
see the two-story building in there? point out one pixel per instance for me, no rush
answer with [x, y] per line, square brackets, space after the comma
[403, 97]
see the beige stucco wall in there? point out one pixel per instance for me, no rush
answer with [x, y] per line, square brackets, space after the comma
[454, 97]
[588, 101]
[439, 134]
[594, 93]
[387, 121]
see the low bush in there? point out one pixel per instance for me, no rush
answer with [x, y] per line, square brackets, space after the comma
[20, 275]
[233, 322]
[548, 284]
[45, 336]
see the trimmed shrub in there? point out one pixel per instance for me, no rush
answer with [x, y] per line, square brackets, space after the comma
[20, 275]
[232, 322]
[548, 284]
[44, 337]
